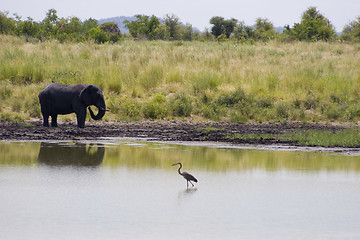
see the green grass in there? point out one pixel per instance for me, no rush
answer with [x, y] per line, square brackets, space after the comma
[226, 81]
[342, 138]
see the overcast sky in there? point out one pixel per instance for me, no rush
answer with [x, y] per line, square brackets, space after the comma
[195, 12]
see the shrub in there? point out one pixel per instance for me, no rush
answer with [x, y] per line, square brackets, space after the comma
[333, 113]
[33, 107]
[282, 110]
[155, 108]
[181, 105]
[131, 108]
[264, 102]
[98, 35]
[232, 98]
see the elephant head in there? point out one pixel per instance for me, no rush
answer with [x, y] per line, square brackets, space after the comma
[92, 95]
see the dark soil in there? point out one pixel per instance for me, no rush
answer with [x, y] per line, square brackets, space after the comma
[159, 131]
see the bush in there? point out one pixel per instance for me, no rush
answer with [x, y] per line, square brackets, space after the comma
[232, 98]
[155, 108]
[181, 106]
[282, 110]
[33, 107]
[98, 35]
[131, 108]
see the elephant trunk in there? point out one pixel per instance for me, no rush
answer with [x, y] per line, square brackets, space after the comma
[100, 114]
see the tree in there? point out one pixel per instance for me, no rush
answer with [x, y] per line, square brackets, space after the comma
[264, 29]
[313, 26]
[229, 26]
[29, 28]
[88, 24]
[112, 30]
[7, 25]
[217, 29]
[189, 33]
[144, 26]
[351, 31]
[49, 24]
[98, 35]
[172, 23]
[222, 26]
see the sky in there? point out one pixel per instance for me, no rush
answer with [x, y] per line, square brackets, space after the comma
[196, 12]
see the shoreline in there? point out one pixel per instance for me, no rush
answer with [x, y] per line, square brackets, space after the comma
[172, 132]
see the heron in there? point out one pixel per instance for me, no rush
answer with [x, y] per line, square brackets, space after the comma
[188, 177]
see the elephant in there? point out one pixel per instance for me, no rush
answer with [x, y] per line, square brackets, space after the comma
[68, 154]
[58, 98]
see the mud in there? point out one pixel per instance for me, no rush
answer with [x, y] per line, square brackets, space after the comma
[159, 131]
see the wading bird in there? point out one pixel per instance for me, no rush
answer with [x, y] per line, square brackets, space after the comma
[188, 177]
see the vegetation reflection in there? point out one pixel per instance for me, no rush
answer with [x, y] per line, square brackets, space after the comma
[153, 155]
[141, 155]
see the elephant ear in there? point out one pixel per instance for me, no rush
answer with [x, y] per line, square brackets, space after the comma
[86, 95]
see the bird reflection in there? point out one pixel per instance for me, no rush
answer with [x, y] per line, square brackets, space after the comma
[78, 154]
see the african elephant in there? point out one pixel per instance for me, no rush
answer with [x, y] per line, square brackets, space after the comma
[58, 98]
[68, 154]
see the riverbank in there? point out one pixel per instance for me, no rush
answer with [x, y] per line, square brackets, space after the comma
[290, 133]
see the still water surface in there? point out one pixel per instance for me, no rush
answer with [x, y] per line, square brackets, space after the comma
[127, 189]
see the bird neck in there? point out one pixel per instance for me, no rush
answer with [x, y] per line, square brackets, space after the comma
[179, 169]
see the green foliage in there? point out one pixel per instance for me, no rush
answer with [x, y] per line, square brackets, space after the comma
[7, 25]
[98, 35]
[313, 26]
[342, 138]
[351, 31]
[112, 31]
[181, 105]
[155, 108]
[172, 22]
[242, 32]
[264, 30]
[12, 117]
[144, 26]
[282, 110]
[222, 26]
[130, 108]
[232, 98]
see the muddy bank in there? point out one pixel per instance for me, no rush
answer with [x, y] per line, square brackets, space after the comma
[159, 131]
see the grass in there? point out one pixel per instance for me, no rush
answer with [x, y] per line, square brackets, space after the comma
[226, 81]
[343, 138]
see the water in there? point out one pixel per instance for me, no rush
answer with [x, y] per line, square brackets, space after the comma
[127, 189]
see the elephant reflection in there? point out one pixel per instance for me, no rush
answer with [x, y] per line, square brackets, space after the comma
[78, 154]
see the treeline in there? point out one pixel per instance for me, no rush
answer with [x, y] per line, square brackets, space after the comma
[313, 27]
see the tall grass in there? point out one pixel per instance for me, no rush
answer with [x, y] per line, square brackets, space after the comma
[222, 81]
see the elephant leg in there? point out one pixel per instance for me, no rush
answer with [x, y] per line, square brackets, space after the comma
[54, 120]
[81, 116]
[46, 120]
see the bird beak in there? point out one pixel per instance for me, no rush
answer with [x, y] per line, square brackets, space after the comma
[174, 164]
